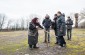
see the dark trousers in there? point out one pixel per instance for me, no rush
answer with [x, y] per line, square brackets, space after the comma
[56, 36]
[61, 40]
[57, 40]
[69, 34]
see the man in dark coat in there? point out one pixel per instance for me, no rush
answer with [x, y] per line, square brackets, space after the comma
[69, 24]
[47, 23]
[33, 33]
[54, 24]
[61, 29]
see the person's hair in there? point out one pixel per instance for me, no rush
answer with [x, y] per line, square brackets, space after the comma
[55, 18]
[59, 12]
[68, 16]
[47, 16]
[55, 14]
[63, 14]
[34, 20]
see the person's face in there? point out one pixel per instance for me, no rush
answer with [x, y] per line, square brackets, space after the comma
[68, 18]
[55, 15]
[58, 14]
[47, 16]
[37, 21]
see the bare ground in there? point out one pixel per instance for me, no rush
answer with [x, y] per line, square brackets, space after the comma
[15, 43]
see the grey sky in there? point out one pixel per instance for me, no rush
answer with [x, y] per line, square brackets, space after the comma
[20, 8]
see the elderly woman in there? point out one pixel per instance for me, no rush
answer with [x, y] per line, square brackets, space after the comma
[33, 33]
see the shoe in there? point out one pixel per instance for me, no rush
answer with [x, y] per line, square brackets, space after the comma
[56, 43]
[64, 45]
[48, 42]
[59, 47]
[36, 47]
[67, 39]
[31, 48]
[70, 39]
[45, 42]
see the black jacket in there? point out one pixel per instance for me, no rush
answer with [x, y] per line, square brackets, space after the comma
[69, 24]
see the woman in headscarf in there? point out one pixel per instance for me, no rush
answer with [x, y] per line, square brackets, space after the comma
[33, 33]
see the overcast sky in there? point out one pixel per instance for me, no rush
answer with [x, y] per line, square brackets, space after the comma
[20, 8]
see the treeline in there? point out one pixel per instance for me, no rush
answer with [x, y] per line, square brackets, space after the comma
[10, 24]
[13, 25]
[23, 22]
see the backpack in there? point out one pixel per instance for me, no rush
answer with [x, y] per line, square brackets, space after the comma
[47, 23]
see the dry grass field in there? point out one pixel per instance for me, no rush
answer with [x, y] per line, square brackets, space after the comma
[15, 43]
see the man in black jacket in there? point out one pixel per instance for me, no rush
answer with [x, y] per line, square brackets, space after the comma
[47, 23]
[54, 24]
[69, 24]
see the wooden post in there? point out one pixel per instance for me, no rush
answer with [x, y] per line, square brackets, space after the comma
[76, 20]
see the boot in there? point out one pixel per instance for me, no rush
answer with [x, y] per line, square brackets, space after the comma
[35, 46]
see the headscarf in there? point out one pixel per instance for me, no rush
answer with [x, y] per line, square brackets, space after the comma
[34, 20]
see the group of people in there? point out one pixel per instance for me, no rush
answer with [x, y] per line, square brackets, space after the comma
[58, 25]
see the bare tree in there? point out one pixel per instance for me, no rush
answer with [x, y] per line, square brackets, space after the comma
[22, 24]
[82, 14]
[15, 26]
[2, 20]
[8, 24]
[27, 22]
[82, 18]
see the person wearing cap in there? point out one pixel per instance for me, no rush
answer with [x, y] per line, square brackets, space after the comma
[47, 24]
[69, 24]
